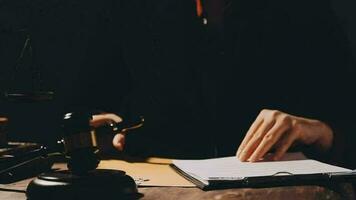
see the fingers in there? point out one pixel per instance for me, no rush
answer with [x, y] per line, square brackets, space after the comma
[284, 145]
[250, 133]
[99, 120]
[119, 141]
[256, 139]
[106, 118]
[271, 137]
[270, 128]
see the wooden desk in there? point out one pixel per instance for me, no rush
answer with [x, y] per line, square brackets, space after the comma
[16, 191]
[291, 192]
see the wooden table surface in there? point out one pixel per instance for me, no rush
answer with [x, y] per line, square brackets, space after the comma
[290, 193]
[16, 191]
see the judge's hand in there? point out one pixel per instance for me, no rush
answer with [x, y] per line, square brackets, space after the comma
[105, 118]
[275, 129]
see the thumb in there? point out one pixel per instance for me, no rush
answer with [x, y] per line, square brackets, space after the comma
[119, 141]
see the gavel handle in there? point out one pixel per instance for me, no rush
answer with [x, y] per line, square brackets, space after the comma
[127, 126]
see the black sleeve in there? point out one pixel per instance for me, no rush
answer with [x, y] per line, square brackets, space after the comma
[328, 96]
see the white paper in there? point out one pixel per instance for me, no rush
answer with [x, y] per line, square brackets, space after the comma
[230, 168]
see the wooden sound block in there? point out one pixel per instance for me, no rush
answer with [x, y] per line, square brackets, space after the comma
[97, 184]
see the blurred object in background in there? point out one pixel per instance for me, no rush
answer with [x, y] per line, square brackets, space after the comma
[26, 69]
[19, 161]
[3, 125]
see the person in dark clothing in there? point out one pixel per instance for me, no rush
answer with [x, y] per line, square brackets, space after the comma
[200, 73]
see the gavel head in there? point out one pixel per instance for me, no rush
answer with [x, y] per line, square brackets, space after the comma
[80, 142]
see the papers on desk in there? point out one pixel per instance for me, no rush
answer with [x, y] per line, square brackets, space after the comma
[149, 172]
[230, 172]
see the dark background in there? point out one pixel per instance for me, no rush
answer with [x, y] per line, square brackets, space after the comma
[61, 31]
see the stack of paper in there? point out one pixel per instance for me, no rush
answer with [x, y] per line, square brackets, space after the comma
[231, 169]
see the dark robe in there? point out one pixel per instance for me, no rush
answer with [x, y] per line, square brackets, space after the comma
[201, 86]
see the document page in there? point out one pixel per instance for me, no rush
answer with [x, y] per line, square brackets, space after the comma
[230, 168]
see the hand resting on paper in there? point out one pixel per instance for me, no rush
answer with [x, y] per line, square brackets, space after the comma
[275, 129]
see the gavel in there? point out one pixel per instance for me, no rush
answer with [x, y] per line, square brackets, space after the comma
[83, 180]
[80, 140]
